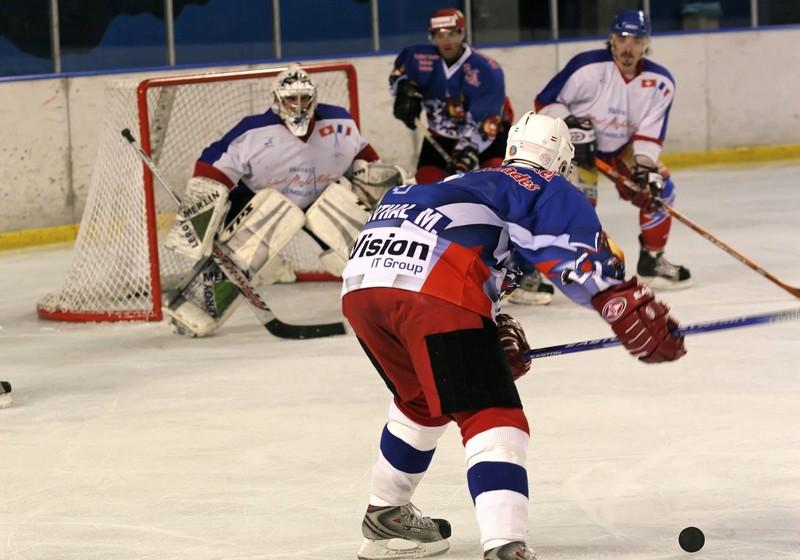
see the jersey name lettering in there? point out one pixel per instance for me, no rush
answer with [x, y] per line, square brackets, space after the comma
[427, 219]
[388, 211]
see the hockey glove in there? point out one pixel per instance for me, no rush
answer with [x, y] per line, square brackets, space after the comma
[514, 343]
[641, 323]
[650, 194]
[465, 158]
[581, 133]
[408, 103]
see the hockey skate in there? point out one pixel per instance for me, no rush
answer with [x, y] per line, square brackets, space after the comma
[512, 551]
[532, 291]
[5, 394]
[659, 273]
[402, 532]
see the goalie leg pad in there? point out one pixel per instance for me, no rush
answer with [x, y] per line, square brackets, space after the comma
[262, 228]
[207, 301]
[200, 216]
[279, 270]
[336, 217]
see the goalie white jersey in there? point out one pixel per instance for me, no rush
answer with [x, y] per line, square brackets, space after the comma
[591, 86]
[260, 152]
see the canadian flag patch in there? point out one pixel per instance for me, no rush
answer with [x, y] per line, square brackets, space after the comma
[648, 82]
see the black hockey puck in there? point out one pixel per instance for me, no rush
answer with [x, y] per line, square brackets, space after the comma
[691, 539]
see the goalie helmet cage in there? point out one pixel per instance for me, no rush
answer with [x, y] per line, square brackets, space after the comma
[119, 266]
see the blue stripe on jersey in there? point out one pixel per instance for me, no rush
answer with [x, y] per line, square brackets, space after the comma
[486, 476]
[650, 66]
[403, 456]
[215, 150]
[550, 92]
[325, 111]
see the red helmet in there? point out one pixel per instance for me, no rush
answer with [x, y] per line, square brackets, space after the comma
[446, 18]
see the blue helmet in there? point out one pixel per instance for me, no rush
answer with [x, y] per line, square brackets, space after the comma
[631, 22]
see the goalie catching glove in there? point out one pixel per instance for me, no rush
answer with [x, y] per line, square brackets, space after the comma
[198, 219]
[641, 323]
[371, 180]
[514, 343]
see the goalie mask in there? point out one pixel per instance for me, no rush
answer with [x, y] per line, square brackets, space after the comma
[294, 99]
[540, 141]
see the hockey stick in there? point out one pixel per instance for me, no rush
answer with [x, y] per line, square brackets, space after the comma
[697, 328]
[238, 278]
[614, 175]
[438, 147]
[426, 132]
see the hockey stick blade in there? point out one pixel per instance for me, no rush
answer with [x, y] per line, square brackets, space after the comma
[263, 313]
[614, 175]
[697, 328]
[285, 330]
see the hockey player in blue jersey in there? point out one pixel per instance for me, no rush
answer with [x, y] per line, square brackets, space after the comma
[617, 103]
[463, 94]
[468, 113]
[422, 291]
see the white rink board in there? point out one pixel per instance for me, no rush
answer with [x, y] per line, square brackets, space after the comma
[128, 442]
[722, 80]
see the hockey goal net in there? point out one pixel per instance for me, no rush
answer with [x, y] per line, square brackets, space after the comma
[119, 267]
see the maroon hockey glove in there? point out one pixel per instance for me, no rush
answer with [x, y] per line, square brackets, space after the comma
[640, 322]
[651, 187]
[514, 343]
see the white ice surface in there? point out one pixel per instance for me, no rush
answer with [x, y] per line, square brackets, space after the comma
[128, 442]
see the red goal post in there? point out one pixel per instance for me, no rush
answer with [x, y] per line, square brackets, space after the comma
[119, 266]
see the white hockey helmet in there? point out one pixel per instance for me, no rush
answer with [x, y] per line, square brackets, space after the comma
[294, 98]
[540, 141]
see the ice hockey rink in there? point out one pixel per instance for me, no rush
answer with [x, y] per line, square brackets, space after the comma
[128, 442]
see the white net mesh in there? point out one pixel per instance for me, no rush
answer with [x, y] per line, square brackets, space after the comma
[110, 276]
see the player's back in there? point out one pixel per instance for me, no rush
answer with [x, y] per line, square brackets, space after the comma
[495, 197]
[451, 239]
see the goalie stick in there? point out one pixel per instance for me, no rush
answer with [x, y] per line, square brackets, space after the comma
[238, 278]
[697, 328]
[614, 175]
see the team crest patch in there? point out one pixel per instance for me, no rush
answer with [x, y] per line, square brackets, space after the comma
[614, 309]
[512, 150]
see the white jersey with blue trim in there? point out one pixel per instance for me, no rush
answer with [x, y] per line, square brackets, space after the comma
[260, 152]
[591, 86]
[462, 239]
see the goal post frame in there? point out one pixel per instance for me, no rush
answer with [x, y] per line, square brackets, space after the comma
[154, 313]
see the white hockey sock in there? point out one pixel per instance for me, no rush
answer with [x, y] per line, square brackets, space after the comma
[406, 450]
[498, 483]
